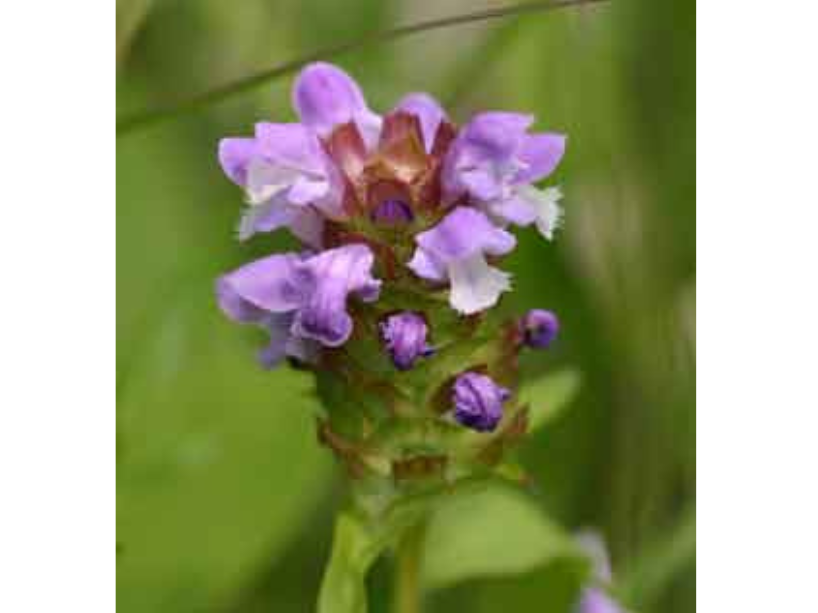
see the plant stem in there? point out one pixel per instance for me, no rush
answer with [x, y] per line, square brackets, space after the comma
[407, 590]
[148, 117]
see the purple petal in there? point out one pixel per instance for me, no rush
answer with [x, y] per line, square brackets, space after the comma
[283, 343]
[426, 266]
[236, 307]
[325, 97]
[428, 111]
[462, 234]
[278, 325]
[264, 285]
[541, 153]
[494, 136]
[291, 145]
[235, 155]
[329, 278]
[594, 600]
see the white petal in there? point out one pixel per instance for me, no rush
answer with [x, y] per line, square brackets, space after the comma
[475, 285]
[545, 203]
[265, 181]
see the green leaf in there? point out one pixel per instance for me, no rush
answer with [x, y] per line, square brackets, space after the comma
[548, 396]
[207, 442]
[649, 574]
[496, 531]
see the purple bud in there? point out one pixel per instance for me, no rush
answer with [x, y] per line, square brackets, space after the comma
[478, 401]
[539, 328]
[405, 337]
[392, 212]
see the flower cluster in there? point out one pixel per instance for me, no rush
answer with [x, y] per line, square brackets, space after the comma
[403, 220]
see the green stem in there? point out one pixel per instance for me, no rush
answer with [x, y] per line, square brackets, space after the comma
[408, 594]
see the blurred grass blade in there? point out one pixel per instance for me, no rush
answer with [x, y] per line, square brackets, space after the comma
[145, 118]
[130, 17]
[661, 562]
[548, 396]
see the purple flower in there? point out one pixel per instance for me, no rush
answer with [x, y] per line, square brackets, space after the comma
[288, 178]
[494, 160]
[405, 337]
[300, 299]
[539, 328]
[478, 401]
[455, 250]
[594, 547]
[327, 97]
[595, 600]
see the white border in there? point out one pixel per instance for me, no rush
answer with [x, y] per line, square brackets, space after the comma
[758, 306]
[57, 325]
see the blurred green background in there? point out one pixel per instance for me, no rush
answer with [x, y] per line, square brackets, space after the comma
[224, 499]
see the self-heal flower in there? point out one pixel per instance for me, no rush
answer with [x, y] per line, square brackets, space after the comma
[455, 251]
[539, 328]
[493, 162]
[478, 401]
[301, 300]
[288, 178]
[404, 335]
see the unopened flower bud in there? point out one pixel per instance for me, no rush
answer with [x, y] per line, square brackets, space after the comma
[478, 401]
[405, 337]
[539, 328]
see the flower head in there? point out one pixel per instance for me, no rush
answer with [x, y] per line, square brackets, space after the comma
[404, 335]
[403, 220]
[478, 401]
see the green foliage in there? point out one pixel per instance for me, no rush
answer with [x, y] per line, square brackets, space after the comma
[493, 532]
[476, 529]
[549, 395]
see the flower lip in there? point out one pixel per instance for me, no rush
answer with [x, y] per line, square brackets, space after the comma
[478, 401]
